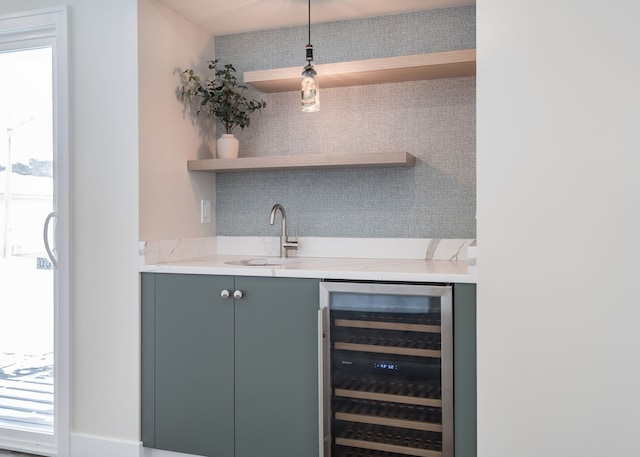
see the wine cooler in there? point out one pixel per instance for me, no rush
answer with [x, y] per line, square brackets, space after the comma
[387, 370]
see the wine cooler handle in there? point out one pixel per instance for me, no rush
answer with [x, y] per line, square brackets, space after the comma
[45, 238]
[323, 372]
[237, 294]
[225, 293]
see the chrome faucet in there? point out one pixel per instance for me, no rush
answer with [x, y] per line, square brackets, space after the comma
[285, 242]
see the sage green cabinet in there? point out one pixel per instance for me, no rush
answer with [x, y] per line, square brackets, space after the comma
[229, 377]
[464, 370]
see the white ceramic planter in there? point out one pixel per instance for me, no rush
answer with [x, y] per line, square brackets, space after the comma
[227, 146]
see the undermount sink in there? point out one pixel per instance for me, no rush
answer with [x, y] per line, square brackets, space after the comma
[264, 262]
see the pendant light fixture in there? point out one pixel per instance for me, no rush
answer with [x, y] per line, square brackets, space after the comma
[310, 89]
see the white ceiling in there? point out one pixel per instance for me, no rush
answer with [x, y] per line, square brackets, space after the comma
[223, 17]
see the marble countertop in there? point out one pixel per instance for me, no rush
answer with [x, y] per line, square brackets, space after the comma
[448, 271]
[358, 259]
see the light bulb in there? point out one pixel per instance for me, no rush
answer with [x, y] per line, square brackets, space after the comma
[310, 90]
[309, 87]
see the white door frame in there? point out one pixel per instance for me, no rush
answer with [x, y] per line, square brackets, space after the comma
[19, 31]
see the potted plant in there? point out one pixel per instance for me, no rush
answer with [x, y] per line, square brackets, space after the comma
[223, 98]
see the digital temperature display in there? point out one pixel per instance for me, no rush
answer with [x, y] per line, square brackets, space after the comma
[387, 366]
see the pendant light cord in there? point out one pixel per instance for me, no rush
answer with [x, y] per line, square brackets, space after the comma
[309, 10]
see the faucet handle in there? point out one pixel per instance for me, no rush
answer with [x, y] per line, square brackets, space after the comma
[291, 242]
[294, 238]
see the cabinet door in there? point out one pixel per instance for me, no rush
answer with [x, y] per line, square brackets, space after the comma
[464, 359]
[194, 365]
[147, 359]
[276, 367]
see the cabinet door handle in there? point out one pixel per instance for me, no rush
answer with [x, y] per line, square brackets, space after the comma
[224, 293]
[237, 294]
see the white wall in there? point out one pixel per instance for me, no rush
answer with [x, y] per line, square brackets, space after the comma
[104, 204]
[170, 195]
[558, 221]
[104, 161]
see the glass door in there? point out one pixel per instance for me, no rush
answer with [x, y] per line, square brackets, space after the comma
[26, 186]
[390, 369]
[33, 311]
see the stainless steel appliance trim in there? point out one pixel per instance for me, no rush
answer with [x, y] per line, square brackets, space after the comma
[324, 396]
[320, 384]
[445, 293]
[380, 288]
[446, 315]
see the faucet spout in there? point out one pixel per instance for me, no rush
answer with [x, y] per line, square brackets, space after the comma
[285, 242]
[272, 217]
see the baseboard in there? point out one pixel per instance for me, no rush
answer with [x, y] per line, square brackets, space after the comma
[94, 446]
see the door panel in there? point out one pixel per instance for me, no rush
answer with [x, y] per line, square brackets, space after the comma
[194, 364]
[275, 328]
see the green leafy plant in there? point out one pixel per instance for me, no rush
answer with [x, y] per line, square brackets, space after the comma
[221, 97]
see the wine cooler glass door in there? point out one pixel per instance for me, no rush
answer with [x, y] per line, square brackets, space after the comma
[390, 370]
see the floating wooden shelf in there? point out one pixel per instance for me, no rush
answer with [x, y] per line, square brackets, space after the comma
[435, 65]
[308, 161]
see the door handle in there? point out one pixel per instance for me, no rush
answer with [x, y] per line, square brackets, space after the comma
[324, 385]
[45, 237]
